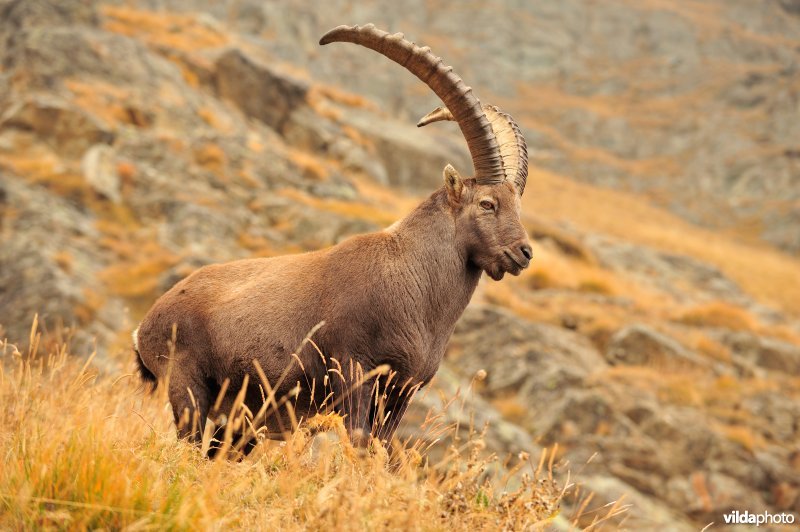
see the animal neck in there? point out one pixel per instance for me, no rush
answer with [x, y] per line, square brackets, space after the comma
[443, 279]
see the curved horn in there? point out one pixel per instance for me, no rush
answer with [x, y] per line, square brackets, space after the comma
[513, 148]
[437, 115]
[448, 86]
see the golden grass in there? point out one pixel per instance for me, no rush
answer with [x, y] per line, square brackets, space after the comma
[595, 286]
[556, 268]
[719, 398]
[310, 165]
[359, 138]
[350, 209]
[136, 274]
[742, 435]
[108, 102]
[511, 408]
[567, 243]
[212, 157]
[89, 450]
[162, 28]
[718, 314]
[505, 296]
[319, 92]
[703, 344]
[90, 307]
[540, 279]
[217, 120]
[258, 246]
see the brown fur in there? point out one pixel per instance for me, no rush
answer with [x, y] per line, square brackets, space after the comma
[391, 297]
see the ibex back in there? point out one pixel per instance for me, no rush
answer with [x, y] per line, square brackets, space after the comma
[390, 298]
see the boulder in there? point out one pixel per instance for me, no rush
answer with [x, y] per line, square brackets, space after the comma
[68, 129]
[49, 265]
[413, 159]
[639, 345]
[533, 365]
[16, 15]
[45, 57]
[643, 513]
[100, 171]
[670, 272]
[768, 353]
[469, 410]
[257, 89]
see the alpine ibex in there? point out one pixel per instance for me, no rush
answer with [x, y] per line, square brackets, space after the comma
[386, 298]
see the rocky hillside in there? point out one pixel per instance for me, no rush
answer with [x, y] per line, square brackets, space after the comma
[138, 143]
[692, 105]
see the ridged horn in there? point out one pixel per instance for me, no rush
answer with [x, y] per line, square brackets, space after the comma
[513, 148]
[446, 84]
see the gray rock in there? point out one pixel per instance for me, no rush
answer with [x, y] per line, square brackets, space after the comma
[639, 345]
[517, 354]
[259, 90]
[644, 513]
[307, 129]
[767, 353]
[532, 364]
[51, 269]
[471, 412]
[70, 130]
[668, 271]
[47, 54]
[100, 171]
[15, 15]
[412, 158]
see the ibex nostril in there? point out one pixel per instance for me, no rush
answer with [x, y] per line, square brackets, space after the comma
[527, 251]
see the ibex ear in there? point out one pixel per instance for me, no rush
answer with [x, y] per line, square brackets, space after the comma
[453, 183]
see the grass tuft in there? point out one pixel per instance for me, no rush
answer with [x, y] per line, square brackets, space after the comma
[85, 449]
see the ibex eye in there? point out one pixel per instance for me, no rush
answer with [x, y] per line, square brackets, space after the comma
[487, 205]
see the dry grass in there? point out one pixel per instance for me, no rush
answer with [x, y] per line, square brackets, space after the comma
[112, 104]
[136, 274]
[568, 244]
[309, 165]
[541, 279]
[320, 92]
[511, 408]
[595, 286]
[217, 120]
[722, 399]
[163, 29]
[211, 157]
[703, 344]
[719, 314]
[743, 435]
[555, 267]
[89, 450]
[351, 209]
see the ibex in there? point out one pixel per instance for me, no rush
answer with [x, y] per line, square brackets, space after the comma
[389, 298]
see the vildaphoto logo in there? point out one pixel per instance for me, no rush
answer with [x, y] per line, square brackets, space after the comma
[765, 518]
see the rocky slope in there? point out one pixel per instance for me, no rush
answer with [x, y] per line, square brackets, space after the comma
[693, 105]
[137, 144]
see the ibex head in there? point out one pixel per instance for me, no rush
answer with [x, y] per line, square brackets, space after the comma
[487, 224]
[486, 208]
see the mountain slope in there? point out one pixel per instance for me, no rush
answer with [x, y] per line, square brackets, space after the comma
[662, 357]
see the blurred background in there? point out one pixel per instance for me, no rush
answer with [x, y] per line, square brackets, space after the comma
[656, 336]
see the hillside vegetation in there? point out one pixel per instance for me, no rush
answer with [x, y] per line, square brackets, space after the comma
[84, 452]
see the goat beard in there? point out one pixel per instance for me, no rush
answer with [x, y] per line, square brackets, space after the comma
[496, 273]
